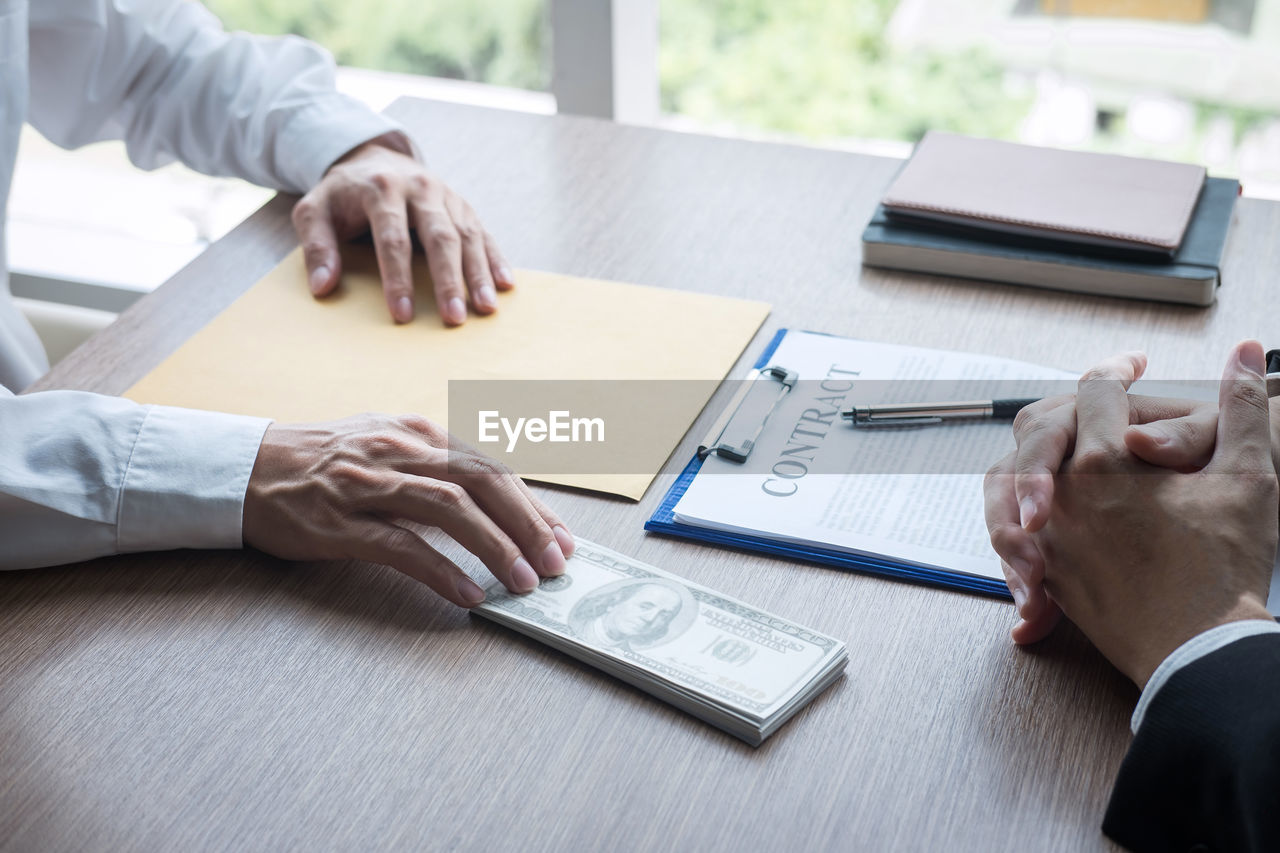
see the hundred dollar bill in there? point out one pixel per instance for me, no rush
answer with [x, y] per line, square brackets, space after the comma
[734, 665]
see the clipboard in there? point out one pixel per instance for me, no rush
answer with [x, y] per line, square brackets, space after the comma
[735, 432]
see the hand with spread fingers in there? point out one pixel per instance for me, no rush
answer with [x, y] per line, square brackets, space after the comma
[344, 490]
[380, 189]
[1144, 534]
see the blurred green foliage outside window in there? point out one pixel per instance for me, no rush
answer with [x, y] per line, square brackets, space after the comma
[813, 68]
[503, 42]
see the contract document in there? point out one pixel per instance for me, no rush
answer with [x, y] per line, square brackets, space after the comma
[911, 494]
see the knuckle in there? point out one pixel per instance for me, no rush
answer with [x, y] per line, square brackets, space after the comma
[1043, 430]
[419, 183]
[1096, 460]
[1024, 420]
[449, 496]
[382, 445]
[393, 239]
[484, 467]
[369, 195]
[305, 210]
[1184, 431]
[997, 478]
[442, 236]
[1250, 394]
[382, 182]
[997, 472]
[537, 530]
[423, 426]
[1007, 538]
[315, 249]
[1033, 421]
[349, 476]
[1029, 464]
[1099, 372]
[470, 231]
[398, 541]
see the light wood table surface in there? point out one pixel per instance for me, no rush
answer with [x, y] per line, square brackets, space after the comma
[230, 701]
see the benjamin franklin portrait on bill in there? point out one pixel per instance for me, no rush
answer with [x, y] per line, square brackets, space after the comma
[633, 614]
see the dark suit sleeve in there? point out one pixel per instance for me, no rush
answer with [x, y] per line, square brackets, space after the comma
[1203, 772]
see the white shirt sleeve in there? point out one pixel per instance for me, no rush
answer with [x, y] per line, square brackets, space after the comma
[163, 76]
[84, 475]
[1192, 650]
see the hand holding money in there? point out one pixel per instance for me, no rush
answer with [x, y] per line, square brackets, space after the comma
[733, 665]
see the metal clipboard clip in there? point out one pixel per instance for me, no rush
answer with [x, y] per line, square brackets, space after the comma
[735, 432]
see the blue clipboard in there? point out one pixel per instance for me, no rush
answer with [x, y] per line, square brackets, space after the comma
[663, 521]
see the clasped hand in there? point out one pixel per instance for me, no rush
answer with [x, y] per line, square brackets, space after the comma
[1145, 520]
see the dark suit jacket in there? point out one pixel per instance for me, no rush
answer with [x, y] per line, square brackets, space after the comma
[1203, 772]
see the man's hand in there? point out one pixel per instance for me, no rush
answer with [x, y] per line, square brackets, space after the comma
[1141, 557]
[1171, 433]
[374, 189]
[339, 490]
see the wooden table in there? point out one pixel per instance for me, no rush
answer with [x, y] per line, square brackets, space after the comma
[229, 701]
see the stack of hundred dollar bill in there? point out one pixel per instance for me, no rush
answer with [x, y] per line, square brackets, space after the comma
[731, 664]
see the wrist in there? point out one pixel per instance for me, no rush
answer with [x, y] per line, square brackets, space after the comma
[1145, 663]
[393, 141]
[266, 483]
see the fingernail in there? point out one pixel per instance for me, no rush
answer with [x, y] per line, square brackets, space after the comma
[1251, 357]
[1019, 597]
[505, 273]
[553, 559]
[470, 592]
[404, 310]
[523, 575]
[486, 297]
[1026, 510]
[565, 540]
[456, 311]
[319, 277]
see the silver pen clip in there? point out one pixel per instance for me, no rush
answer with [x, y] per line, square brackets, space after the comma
[906, 421]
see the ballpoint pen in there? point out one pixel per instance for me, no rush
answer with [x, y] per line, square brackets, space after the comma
[924, 414]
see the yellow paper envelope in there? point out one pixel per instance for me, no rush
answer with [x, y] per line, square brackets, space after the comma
[277, 352]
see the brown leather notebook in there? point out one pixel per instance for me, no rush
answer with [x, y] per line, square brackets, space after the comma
[1096, 199]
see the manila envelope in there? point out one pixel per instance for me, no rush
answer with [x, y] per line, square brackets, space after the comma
[638, 362]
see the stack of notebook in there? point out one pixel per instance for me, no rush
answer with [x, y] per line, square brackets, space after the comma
[1094, 223]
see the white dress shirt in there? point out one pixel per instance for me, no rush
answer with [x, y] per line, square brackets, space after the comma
[84, 475]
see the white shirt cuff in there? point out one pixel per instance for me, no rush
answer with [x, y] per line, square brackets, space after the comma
[186, 480]
[1194, 649]
[326, 128]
